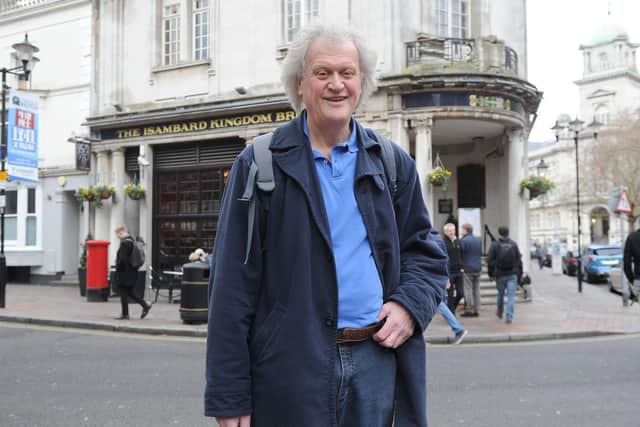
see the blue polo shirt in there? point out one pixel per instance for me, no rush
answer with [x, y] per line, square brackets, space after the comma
[359, 284]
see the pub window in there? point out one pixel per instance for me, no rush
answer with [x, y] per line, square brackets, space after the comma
[452, 18]
[299, 13]
[200, 29]
[170, 32]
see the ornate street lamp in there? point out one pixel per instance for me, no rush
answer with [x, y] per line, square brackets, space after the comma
[23, 51]
[575, 126]
[542, 167]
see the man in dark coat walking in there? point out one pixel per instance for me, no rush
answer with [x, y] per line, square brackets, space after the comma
[631, 263]
[127, 275]
[323, 325]
[505, 265]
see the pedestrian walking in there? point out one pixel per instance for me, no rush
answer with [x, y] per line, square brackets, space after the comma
[317, 309]
[631, 263]
[455, 293]
[472, 266]
[539, 253]
[505, 264]
[127, 275]
[459, 332]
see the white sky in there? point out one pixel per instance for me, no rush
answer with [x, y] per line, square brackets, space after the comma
[555, 29]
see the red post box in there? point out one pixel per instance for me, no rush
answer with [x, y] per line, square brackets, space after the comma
[97, 270]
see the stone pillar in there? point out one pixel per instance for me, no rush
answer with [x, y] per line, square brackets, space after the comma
[102, 213]
[423, 155]
[144, 205]
[517, 201]
[117, 208]
[399, 133]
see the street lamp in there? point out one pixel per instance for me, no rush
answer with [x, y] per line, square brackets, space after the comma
[542, 167]
[575, 126]
[23, 51]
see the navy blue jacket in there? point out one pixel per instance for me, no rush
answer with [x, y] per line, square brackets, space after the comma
[272, 323]
[471, 253]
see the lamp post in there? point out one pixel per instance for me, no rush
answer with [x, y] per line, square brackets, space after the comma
[575, 127]
[24, 53]
[542, 167]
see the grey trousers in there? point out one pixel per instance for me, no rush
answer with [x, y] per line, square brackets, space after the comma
[472, 291]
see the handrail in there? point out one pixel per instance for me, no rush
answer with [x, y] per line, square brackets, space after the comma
[486, 233]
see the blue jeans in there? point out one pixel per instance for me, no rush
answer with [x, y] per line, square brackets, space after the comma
[366, 380]
[509, 283]
[450, 318]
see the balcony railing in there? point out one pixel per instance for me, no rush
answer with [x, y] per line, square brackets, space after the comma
[487, 54]
[7, 6]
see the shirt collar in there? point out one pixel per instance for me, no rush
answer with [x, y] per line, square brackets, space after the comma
[351, 143]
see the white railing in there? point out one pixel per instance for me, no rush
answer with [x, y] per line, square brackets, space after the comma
[7, 6]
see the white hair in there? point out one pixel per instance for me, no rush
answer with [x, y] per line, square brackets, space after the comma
[449, 226]
[293, 65]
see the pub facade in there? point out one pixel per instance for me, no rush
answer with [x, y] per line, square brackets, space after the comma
[181, 86]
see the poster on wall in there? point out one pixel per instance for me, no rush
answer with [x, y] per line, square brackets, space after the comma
[470, 216]
[22, 137]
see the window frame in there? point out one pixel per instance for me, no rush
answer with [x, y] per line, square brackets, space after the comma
[306, 12]
[452, 11]
[201, 53]
[171, 57]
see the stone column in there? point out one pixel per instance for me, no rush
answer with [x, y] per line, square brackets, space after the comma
[399, 134]
[145, 205]
[423, 155]
[117, 208]
[517, 201]
[102, 224]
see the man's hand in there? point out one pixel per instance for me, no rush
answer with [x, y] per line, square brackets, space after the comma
[243, 421]
[448, 284]
[398, 327]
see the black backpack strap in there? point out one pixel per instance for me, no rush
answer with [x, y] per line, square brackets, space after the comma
[388, 160]
[260, 175]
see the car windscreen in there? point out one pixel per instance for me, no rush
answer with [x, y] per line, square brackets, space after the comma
[608, 251]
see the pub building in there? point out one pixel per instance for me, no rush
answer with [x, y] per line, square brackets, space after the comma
[173, 112]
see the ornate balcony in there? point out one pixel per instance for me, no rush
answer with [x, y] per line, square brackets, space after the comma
[438, 54]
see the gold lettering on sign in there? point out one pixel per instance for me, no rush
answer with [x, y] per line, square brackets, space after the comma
[128, 133]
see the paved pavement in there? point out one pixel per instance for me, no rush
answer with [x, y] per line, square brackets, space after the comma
[557, 311]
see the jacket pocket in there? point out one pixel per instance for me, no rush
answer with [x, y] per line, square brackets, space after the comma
[266, 332]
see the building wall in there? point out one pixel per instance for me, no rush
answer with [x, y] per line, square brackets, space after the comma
[61, 29]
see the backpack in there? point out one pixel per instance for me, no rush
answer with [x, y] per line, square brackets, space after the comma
[505, 256]
[136, 257]
[261, 175]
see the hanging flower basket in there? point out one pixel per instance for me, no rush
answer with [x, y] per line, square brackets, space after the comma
[537, 186]
[134, 191]
[86, 194]
[439, 176]
[105, 191]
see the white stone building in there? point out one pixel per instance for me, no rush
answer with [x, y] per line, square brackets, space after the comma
[182, 85]
[43, 220]
[610, 85]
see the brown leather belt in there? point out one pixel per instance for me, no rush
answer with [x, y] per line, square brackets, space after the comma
[346, 335]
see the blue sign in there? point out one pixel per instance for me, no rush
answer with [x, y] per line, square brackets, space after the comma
[22, 137]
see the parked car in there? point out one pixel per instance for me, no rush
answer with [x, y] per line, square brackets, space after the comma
[616, 276]
[598, 260]
[570, 263]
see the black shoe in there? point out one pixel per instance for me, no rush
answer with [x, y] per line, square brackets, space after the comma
[467, 314]
[122, 317]
[145, 311]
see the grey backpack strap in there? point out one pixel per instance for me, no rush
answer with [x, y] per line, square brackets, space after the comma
[260, 175]
[389, 161]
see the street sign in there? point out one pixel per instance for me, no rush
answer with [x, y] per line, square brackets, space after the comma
[624, 205]
[22, 137]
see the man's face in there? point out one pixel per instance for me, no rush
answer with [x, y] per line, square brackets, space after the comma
[331, 83]
[120, 234]
[450, 232]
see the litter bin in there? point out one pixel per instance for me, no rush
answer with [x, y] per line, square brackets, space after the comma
[194, 298]
[97, 270]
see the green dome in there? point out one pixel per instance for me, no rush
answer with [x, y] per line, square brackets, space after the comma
[607, 33]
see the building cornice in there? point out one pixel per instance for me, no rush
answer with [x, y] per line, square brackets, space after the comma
[608, 75]
[47, 7]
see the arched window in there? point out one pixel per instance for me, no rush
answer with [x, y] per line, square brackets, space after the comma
[604, 61]
[602, 115]
[297, 14]
[452, 18]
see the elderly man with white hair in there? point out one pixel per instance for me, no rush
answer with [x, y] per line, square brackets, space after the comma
[317, 310]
